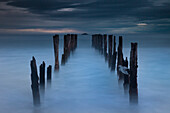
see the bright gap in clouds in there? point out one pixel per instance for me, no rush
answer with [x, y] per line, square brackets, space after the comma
[142, 24]
[67, 9]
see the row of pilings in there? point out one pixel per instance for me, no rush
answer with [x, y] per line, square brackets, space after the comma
[128, 75]
[38, 82]
[70, 44]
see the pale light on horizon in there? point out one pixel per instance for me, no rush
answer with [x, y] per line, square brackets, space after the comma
[38, 30]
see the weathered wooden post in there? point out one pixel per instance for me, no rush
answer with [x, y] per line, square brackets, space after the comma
[126, 76]
[105, 43]
[72, 42]
[110, 45]
[114, 55]
[100, 43]
[49, 70]
[68, 44]
[56, 49]
[110, 50]
[133, 73]
[96, 41]
[133, 67]
[114, 49]
[92, 40]
[65, 50]
[120, 54]
[35, 84]
[42, 75]
[97, 37]
[75, 40]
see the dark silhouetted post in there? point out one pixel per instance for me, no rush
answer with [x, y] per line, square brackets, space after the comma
[120, 53]
[114, 55]
[110, 50]
[75, 40]
[56, 49]
[105, 44]
[101, 43]
[65, 50]
[133, 73]
[42, 74]
[34, 80]
[126, 76]
[110, 45]
[49, 70]
[114, 49]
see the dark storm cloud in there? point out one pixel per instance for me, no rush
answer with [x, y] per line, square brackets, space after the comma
[119, 16]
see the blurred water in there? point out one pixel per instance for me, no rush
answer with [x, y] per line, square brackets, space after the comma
[84, 84]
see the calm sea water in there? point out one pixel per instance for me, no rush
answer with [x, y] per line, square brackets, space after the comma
[84, 84]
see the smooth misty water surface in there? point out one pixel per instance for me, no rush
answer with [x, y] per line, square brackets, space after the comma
[84, 84]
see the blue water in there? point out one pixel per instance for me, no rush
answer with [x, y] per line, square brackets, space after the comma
[84, 84]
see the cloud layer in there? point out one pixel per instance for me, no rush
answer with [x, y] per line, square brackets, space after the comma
[98, 16]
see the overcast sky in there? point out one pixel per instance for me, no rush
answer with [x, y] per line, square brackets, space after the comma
[92, 16]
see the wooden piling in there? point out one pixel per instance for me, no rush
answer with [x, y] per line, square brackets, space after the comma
[120, 53]
[110, 52]
[126, 76]
[114, 49]
[56, 50]
[114, 55]
[42, 74]
[49, 70]
[64, 56]
[133, 68]
[110, 45]
[34, 82]
[72, 42]
[105, 44]
[75, 41]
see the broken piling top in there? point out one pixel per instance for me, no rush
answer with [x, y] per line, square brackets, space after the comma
[35, 84]
[56, 50]
[49, 70]
[42, 74]
[55, 39]
[133, 67]
[133, 56]
[120, 52]
[34, 74]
